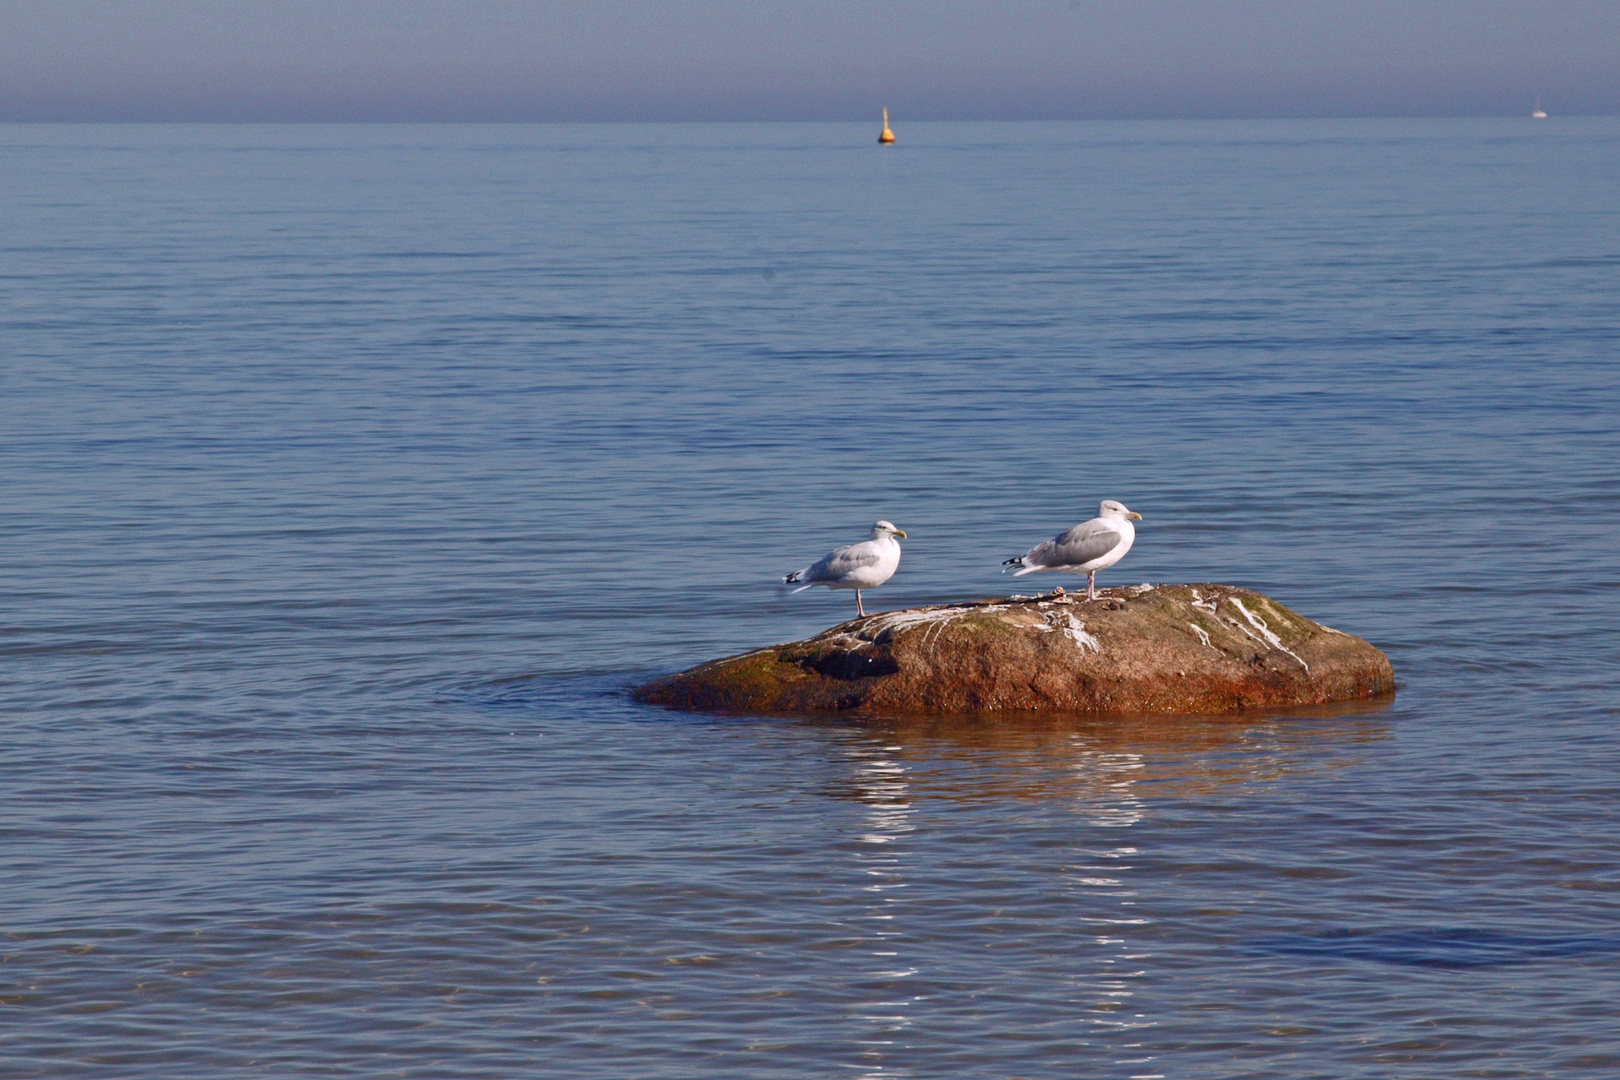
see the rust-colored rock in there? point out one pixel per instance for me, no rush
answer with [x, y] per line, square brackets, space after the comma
[1204, 649]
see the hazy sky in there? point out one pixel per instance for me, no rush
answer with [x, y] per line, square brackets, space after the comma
[816, 59]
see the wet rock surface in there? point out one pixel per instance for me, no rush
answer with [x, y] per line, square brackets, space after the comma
[1200, 649]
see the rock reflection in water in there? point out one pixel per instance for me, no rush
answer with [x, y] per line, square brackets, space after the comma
[1050, 756]
[920, 780]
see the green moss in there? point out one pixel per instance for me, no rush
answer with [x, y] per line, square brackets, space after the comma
[992, 623]
[751, 676]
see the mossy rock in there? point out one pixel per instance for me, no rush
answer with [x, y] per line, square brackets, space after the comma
[1199, 649]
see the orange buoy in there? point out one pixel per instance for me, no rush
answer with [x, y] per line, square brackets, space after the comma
[887, 136]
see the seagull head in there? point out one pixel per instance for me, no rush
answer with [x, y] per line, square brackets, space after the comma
[1115, 509]
[884, 528]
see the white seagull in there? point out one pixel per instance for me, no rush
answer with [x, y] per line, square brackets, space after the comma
[854, 566]
[1086, 548]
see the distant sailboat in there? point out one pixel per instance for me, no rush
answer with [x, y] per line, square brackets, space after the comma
[887, 136]
[1537, 113]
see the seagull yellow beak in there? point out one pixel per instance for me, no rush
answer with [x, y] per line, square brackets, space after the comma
[901, 533]
[1134, 516]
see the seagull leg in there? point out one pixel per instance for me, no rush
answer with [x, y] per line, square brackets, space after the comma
[859, 610]
[1091, 586]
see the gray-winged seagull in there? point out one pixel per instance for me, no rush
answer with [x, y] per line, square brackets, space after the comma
[1085, 549]
[865, 565]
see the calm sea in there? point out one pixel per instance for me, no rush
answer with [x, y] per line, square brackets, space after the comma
[351, 476]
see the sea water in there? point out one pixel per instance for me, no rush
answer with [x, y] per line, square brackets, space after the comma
[352, 475]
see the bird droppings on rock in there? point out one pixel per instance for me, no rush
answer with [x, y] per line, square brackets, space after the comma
[1202, 649]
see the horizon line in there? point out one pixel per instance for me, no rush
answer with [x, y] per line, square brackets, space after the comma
[357, 121]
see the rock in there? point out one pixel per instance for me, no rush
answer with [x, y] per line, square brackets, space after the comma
[1205, 649]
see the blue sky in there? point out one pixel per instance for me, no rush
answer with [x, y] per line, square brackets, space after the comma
[817, 59]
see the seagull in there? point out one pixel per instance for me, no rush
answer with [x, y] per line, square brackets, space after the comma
[1086, 548]
[865, 565]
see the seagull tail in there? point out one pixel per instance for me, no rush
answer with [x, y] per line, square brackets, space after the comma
[796, 577]
[1010, 563]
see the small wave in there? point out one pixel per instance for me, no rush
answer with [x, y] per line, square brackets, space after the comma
[1455, 947]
